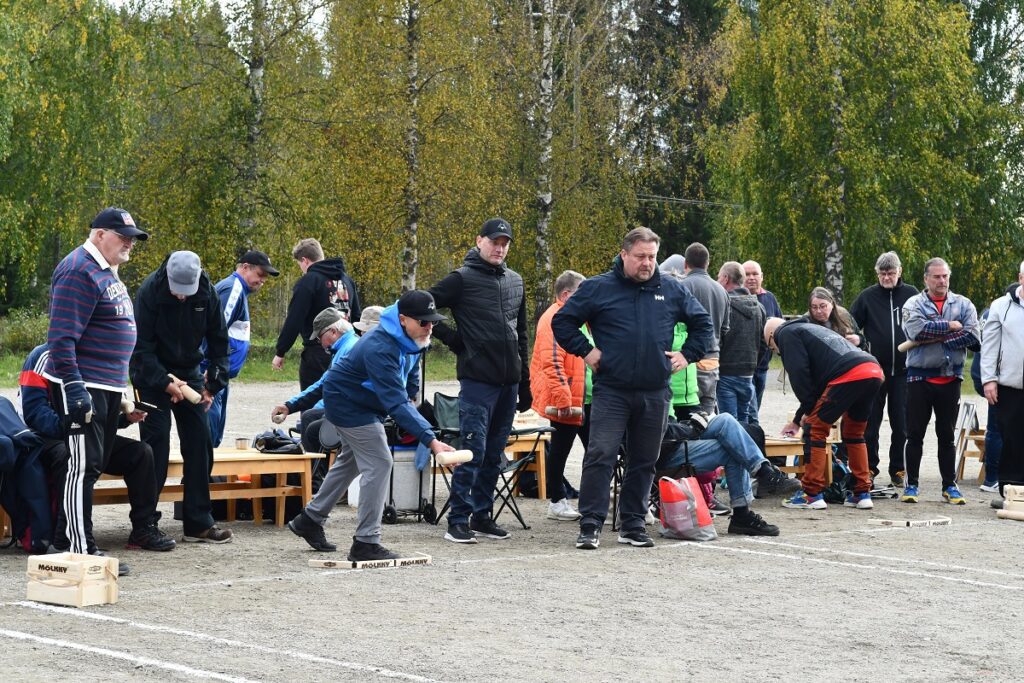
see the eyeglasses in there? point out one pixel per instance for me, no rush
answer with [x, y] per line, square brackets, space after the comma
[129, 241]
[820, 307]
[425, 323]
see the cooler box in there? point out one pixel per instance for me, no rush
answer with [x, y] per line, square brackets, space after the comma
[408, 486]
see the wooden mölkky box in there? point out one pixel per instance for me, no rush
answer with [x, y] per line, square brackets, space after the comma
[72, 579]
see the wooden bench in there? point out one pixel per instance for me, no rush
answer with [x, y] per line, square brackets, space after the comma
[520, 447]
[233, 464]
[794, 448]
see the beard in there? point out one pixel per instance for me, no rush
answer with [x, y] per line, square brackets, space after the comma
[422, 343]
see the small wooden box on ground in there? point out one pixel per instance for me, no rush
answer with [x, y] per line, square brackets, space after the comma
[72, 579]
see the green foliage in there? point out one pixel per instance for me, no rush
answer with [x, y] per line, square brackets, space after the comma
[854, 117]
[21, 331]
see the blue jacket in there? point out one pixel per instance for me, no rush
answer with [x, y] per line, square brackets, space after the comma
[234, 300]
[34, 394]
[377, 378]
[313, 396]
[633, 324]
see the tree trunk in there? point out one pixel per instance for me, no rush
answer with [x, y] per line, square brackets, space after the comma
[410, 193]
[546, 99]
[255, 65]
[836, 229]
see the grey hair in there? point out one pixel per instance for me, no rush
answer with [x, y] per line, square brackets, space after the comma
[342, 326]
[733, 271]
[890, 260]
[1021, 267]
[569, 279]
[640, 234]
[936, 262]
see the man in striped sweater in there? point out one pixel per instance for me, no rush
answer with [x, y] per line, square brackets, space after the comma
[91, 337]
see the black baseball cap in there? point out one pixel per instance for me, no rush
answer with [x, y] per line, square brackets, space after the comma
[257, 258]
[118, 220]
[419, 305]
[496, 227]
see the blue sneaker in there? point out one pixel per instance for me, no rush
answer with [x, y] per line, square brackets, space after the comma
[953, 496]
[803, 501]
[909, 494]
[861, 501]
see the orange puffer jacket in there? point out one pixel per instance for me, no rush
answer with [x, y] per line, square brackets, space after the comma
[556, 376]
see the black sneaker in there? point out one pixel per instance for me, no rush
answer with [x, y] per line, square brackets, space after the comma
[718, 508]
[487, 527]
[460, 533]
[369, 552]
[636, 537]
[304, 526]
[150, 537]
[772, 481]
[122, 568]
[751, 524]
[589, 538]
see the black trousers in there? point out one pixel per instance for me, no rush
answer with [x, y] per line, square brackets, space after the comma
[129, 459]
[923, 399]
[893, 391]
[1011, 424]
[88, 448]
[196, 452]
[562, 440]
[313, 363]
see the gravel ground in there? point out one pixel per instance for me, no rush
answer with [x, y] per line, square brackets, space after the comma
[834, 598]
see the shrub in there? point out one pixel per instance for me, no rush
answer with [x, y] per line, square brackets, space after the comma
[22, 330]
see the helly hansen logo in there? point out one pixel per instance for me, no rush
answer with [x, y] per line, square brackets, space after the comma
[659, 297]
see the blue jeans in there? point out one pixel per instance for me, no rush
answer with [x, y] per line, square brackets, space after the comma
[735, 395]
[760, 380]
[993, 446]
[725, 443]
[640, 416]
[485, 420]
[218, 416]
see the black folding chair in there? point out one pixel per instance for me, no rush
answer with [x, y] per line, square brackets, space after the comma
[511, 470]
[446, 412]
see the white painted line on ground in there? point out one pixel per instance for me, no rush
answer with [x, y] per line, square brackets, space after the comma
[886, 558]
[124, 656]
[852, 565]
[195, 635]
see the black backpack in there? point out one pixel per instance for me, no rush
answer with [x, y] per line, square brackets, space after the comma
[277, 441]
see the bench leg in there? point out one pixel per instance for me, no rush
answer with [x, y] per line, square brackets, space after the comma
[282, 479]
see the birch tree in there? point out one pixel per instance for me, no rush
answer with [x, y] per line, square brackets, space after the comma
[848, 140]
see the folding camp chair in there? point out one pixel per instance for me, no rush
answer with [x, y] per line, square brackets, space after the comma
[511, 470]
[446, 412]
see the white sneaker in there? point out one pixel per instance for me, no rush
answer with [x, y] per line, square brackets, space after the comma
[990, 488]
[562, 511]
[650, 518]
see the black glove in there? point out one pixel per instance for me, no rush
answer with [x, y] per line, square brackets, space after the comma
[525, 397]
[79, 403]
[699, 420]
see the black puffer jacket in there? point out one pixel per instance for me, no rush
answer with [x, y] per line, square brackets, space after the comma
[171, 332]
[489, 306]
[879, 313]
[325, 284]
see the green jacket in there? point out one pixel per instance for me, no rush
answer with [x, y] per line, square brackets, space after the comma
[684, 384]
